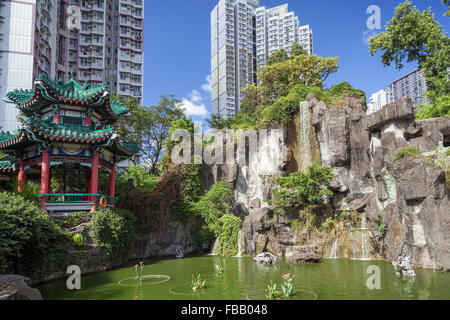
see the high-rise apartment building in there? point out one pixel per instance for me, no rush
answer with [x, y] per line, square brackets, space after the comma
[92, 41]
[305, 35]
[243, 36]
[276, 28]
[412, 85]
[233, 60]
[33, 41]
[377, 101]
[109, 46]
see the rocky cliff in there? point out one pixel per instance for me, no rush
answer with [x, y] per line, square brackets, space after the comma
[409, 196]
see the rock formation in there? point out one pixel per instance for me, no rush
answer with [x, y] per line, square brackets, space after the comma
[266, 258]
[16, 287]
[410, 195]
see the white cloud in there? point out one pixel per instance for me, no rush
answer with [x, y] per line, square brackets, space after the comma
[192, 108]
[367, 35]
[207, 86]
[195, 96]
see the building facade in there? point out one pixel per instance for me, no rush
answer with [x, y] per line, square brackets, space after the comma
[305, 35]
[276, 28]
[243, 36]
[377, 101]
[233, 60]
[413, 86]
[109, 47]
[93, 41]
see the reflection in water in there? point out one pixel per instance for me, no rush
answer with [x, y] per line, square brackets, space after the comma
[243, 278]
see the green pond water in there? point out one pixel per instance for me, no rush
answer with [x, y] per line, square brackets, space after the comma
[245, 279]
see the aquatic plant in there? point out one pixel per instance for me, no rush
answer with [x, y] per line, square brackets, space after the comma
[219, 268]
[140, 274]
[271, 292]
[197, 282]
[288, 284]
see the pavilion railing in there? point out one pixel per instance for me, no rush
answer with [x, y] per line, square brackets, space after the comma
[78, 198]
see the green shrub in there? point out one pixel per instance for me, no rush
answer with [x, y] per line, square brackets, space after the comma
[229, 227]
[301, 189]
[114, 231]
[441, 108]
[381, 227]
[78, 240]
[408, 151]
[214, 204]
[31, 244]
[74, 219]
[142, 179]
[31, 191]
[343, 90]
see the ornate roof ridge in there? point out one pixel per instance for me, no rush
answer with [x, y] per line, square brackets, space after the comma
[60, 132]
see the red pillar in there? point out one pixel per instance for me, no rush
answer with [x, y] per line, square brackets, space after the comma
[87, 122]
[45, 177]
[22, 176]
[94, 179]
[112, 182]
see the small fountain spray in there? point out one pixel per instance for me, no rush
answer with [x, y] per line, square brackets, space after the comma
[214, 249]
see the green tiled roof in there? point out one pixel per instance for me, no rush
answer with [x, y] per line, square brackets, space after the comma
[47, 92]
[7, 166]
[60, 132]
[7, 136]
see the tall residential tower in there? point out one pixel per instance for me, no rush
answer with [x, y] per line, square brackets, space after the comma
[90, 40]
[243, 36]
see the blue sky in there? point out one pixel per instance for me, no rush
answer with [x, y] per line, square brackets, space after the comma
[177, 45]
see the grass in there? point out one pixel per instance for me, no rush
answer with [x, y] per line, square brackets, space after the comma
[408, 151]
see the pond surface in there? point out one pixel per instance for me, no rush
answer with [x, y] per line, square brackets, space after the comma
[170, 279]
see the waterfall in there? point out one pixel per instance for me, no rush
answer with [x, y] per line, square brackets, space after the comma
[239, 254]
[364, 223]
[305, 147]
[334, 249]
[214, 249]
[365, 255]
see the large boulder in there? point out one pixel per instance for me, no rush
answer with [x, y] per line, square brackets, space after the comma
[256, 226]
[266, 258]
[304, 254]
[16, 287]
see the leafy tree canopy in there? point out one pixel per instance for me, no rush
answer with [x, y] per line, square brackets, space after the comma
[412, 35]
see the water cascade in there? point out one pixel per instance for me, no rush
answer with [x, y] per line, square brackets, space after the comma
[239, 244]
[362, 232]
[214, 249]
[305, 132]
[334, 249]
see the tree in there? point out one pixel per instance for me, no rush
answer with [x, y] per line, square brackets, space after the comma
[158, 128]
[277, 57]
[301, 190]
[297, 50]
[132, 127]
[412, 35]
[278, 79]
[447, 3]
[149, 127]
[440, 108]
[251, 98]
